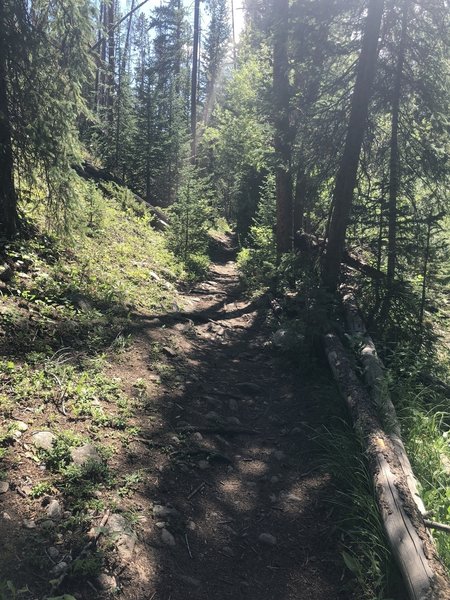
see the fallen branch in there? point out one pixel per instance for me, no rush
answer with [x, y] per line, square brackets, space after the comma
[313, 244]
[436, 525]
[88, 171]
[196, 490]
[218, 430]
[412, 546]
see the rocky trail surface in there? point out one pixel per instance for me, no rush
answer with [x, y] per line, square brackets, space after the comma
[221, 495]
[239, 507]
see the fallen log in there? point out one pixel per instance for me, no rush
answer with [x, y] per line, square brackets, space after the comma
[375, 379]
[424, 576]
[88, 171]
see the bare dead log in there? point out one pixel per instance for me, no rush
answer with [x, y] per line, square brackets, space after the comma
[88, 171]
[374, 376]
[424, 576]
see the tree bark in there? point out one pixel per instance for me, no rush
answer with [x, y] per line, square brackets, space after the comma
[284, 230]
[8, 197]
[425, 272]
[394, 160]
[346, 177]
[111, 61]
[194, 78]
[300, 197]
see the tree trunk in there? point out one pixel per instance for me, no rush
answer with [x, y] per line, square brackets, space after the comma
[346, 177]
[194, 77]
[111, 61]
[300, 197]
[425, 273]
[284, 231]
[122, 69]
[8, 197]
[394, 160]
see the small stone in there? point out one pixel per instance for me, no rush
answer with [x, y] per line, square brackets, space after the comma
[161, 524]
[228, 551]
[162, 512]
[249, 388]
[169, 351]
[6, 516]
[85, 454]
[212, 416]
[197, 436]
[191, 526]
[59, 568]
[47, 524]
[44, 440]
[167, 538]
[154, 275]
[293, 498]
[296, 430]
[203, 465]
[189, 580]
[106, 582]
[279, 455]
[233, 405]
[53, 552]
[54, 510]
[4, 487]
[124, 538]
[20, 426]
[175, 439]
[274, 479]
[267, 539]
[29, 524]
[233, 421]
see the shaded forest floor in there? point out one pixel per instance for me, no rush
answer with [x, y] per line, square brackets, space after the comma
[211, 490]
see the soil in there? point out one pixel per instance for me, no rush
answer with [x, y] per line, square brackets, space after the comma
[225, 443]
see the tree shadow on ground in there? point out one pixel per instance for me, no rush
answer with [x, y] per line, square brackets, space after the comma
[221, 489]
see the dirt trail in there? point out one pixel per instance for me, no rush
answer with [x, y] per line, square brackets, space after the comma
[229, 459]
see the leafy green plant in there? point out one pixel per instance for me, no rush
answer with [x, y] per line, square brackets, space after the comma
[190, 220]
[41, 488]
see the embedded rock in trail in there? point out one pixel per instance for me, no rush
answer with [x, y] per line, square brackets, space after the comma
[189, 580]
[43, 440]
[4, 487]
[167, 538]
[85, 454]
[54, 510]
[267, 539]
[122, 535]
[106, 582]
[161, 512]
[247, 387]
[59, 568]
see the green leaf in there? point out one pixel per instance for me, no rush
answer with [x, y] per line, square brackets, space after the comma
[351, 563]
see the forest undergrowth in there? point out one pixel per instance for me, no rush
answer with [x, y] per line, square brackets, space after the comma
[417, 368]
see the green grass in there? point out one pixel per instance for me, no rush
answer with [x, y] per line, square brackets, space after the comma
[426, 432]
[68, 311]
